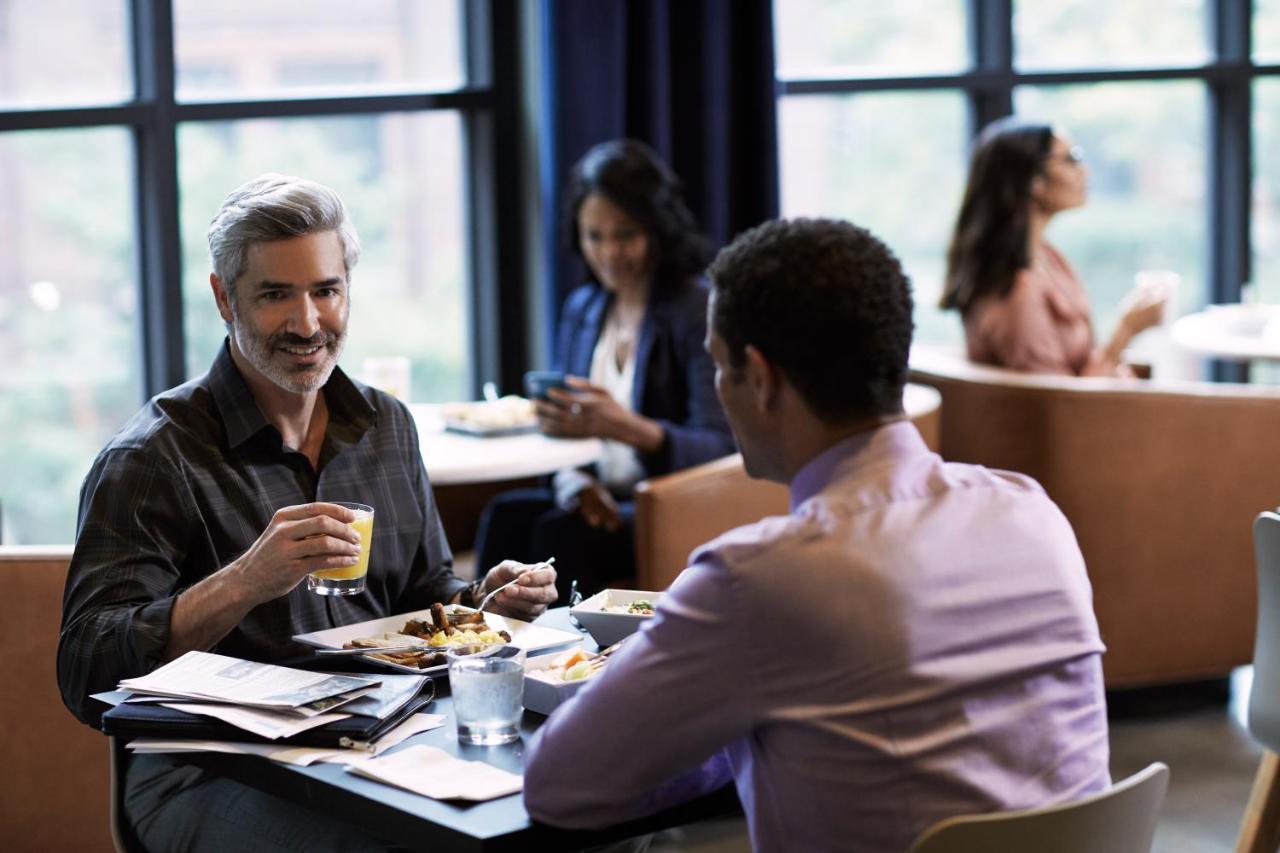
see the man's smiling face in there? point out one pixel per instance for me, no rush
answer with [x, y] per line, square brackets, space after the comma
[288, 313]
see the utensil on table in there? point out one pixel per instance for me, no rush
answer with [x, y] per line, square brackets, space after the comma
[603, 654]
[575, 598]
[377, 650]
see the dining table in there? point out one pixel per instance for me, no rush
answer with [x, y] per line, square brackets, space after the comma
[458, 458]
[467, 470]
[416, 822]
[1233, 332]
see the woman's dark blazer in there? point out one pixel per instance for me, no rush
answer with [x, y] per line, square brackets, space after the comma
[675, 378]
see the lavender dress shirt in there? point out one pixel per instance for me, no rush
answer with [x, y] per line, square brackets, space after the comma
[915, 640]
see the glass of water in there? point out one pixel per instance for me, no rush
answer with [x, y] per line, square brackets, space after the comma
[488, 691]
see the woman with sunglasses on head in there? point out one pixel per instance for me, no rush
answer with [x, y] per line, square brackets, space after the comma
[631, 343]
[1023, 305]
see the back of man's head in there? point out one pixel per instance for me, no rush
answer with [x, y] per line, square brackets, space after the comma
[276, 207]
[825, 302]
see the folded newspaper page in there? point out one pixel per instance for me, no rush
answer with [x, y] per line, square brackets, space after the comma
[210, 677]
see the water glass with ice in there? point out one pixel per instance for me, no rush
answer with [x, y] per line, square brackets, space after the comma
[488, 688]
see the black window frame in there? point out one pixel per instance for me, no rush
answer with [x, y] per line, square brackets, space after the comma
[489, 105]
[1228, 76]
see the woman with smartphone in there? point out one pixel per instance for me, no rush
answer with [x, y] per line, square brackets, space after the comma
[630, 343]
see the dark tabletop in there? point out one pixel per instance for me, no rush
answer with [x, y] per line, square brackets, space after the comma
[420, 823]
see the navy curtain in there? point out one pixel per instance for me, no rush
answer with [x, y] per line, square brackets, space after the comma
[692, 78]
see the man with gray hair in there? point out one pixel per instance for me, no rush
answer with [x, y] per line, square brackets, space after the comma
[201, 517]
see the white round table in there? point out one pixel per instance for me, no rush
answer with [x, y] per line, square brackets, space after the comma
[458, 459]
[1231, 332]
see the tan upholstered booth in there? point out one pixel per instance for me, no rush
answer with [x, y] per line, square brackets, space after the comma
[1161, 483]
[678, 512]
[56, 777]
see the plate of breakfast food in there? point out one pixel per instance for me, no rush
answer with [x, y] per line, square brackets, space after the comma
[510, 415]
[431, 633]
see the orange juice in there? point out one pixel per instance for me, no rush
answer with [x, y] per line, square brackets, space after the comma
[364, 526]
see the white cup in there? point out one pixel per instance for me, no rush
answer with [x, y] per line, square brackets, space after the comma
[1164, 283]
[390, 373]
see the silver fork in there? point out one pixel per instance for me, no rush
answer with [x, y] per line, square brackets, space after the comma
[489, 596]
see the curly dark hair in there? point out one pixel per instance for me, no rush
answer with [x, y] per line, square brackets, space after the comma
[990, 242]
[629, 174]
[824, 301]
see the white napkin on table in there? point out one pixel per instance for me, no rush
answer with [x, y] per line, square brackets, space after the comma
[432, 772]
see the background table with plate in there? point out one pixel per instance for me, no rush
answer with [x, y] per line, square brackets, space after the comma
[466, 470]
[1233, 332]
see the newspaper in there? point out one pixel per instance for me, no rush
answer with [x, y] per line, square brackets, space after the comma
[218, 678]
[388, 697]
[268, 724]
[299, 755]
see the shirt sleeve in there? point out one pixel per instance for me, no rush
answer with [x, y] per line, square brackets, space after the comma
[124, 576]
[650, 732]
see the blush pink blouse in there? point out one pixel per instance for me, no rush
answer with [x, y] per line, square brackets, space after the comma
[1042, 326]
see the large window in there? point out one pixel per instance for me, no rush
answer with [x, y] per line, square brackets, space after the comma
[1166, 99]
[123, 124]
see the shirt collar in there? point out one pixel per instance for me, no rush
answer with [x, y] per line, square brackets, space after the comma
[243, 419]
[857, 452]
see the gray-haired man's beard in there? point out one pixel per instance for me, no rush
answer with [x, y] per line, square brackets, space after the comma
[265, 355]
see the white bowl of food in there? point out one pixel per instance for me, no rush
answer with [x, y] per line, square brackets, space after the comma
[549, 680]
[613, 614]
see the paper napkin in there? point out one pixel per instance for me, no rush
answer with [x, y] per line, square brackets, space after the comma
[432, 772]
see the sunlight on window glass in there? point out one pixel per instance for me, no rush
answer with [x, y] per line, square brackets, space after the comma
[1266, 31]
[1266, 189]
[64, 52]
[69, 359]
[893, 163]
[1107, 34]
[868, 38]
[234, 49]
[401, 178]
[1144, 147]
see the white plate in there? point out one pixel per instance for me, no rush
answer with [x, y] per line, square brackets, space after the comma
[526, 635]
[469, 428]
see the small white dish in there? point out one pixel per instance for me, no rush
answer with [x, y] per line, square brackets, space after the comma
[608, 628]
[545, 694]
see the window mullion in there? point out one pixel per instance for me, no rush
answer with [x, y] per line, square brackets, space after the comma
[159, 256]
[991, 49]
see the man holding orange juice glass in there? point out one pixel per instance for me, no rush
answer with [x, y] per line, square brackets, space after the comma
[202, 516]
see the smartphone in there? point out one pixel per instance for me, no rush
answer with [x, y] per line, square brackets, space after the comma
[538, 382]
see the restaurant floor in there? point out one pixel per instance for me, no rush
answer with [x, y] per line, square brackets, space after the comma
[1210, 755]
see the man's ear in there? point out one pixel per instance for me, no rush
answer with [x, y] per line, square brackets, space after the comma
[221, 296]
[763, 377]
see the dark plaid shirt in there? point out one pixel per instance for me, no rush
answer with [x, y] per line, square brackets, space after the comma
[189, 484]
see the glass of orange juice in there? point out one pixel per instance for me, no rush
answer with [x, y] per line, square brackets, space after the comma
[347, 580]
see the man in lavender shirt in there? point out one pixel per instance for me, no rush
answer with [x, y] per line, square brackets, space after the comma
[915, 640]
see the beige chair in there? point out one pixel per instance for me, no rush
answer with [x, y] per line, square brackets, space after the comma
[1121, 820]
[675, 513]
[1260, 829]
[57, 793]
[1158, 482]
